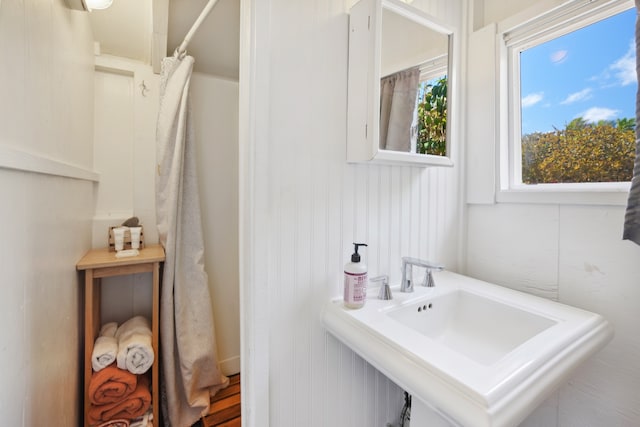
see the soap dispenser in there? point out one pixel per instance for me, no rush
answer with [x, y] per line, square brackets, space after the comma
[355, 280]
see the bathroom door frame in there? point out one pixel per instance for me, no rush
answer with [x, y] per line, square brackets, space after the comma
[253, 187]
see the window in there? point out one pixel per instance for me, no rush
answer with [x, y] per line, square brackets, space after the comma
[571, 98]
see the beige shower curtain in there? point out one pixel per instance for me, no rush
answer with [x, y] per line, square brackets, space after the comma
[190, 373]
[398, 93]
[632, 218]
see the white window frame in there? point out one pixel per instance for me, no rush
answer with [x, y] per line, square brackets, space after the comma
[512, 39]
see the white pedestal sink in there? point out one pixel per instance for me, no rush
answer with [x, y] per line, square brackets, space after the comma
[479, 354]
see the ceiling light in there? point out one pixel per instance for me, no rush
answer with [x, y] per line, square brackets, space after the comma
[89, 4]
[97, 4]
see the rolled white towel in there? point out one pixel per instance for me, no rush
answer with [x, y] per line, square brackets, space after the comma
[135, 325]
[105, 348]
[135, 347]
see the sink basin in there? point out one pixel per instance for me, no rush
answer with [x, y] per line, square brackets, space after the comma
[477, 327]
[477, 353]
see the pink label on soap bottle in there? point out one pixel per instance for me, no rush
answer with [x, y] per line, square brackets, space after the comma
[355, 288]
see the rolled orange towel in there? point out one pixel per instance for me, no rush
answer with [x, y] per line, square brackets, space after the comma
[134, 405]
[111, 384]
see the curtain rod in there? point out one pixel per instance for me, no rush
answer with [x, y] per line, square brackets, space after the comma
[203, 15]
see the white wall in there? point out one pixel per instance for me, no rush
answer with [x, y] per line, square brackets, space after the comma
[124, 154]
[215, 117]
[126, 111]
[573, 254]
[46, 110]
[570, 253]
[303, 206]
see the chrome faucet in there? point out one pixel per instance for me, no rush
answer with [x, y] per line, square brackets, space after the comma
[407, 265]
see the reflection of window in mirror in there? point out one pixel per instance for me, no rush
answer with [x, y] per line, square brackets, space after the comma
[431, 108]
[422, 93]
[413, 89]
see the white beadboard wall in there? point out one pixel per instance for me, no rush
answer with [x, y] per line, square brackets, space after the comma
[307, 207]
[46, 110]
[570, 253]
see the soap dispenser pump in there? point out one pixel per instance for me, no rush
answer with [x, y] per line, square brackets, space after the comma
[355, 280]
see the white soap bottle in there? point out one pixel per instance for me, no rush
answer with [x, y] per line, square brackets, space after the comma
[355, 280]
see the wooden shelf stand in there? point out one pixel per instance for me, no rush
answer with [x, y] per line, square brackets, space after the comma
[99, 263]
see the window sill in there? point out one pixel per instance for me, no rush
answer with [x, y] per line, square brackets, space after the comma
[614, 194]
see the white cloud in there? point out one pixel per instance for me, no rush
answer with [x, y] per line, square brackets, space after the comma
[532, 99]
[621, 72]
[625, 67]
[578, 96]
[595, 114]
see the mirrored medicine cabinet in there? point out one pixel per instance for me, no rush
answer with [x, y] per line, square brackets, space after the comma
[399, 96]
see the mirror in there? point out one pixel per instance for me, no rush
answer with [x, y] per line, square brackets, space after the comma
[399, 97]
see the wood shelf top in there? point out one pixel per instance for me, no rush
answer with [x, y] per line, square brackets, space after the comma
[100, 258]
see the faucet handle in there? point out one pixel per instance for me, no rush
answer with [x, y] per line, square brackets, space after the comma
[428, 279]
[385, 290]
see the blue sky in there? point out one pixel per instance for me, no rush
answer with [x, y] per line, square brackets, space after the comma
[590, 73]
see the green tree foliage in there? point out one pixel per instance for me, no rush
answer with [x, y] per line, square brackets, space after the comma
[432, 118]
[626, 124]
[582, 152]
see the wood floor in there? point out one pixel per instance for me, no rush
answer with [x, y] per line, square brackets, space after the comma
[225, 406]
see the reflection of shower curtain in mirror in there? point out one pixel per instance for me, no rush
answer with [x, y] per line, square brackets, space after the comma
[632, 219]
[398, 93]
[190, 373]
